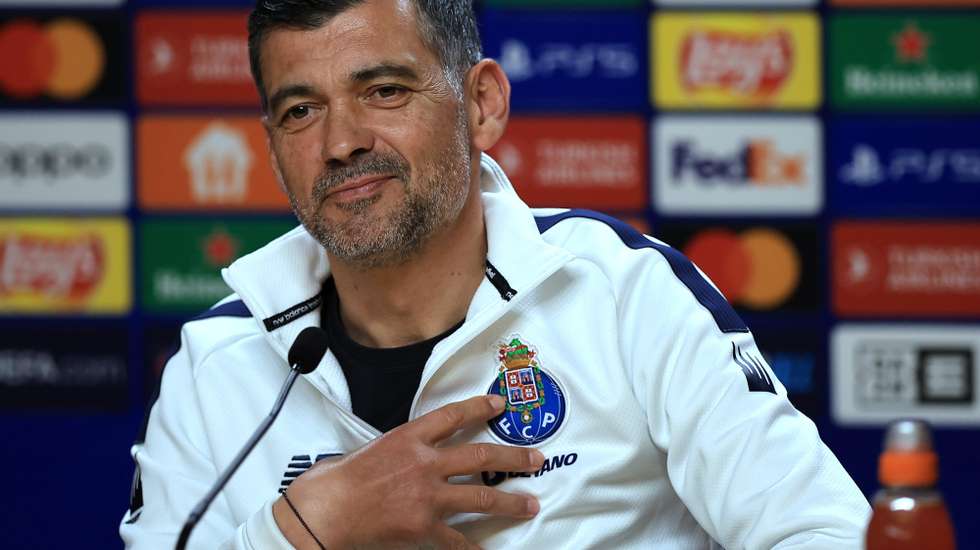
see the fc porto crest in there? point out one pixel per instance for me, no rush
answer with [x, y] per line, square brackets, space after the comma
[535, 406]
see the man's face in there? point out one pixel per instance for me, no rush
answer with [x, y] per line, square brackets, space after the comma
[369, 137]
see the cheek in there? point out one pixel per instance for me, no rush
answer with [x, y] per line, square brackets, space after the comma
[299, 162]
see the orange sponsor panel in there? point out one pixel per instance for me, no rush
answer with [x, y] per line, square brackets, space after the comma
[192, 58]
[589, 162]
[908, 269]
[205, 163]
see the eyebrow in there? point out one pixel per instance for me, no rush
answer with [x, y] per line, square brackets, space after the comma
[383, 70]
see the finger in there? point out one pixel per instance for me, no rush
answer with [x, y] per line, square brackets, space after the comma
[447, 538]
[447, 420]
[489, 457]
[486, 500]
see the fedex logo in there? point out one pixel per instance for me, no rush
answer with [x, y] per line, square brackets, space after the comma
[758, 162]
[737, 165]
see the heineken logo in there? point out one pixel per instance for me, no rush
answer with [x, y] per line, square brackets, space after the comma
[885, 60]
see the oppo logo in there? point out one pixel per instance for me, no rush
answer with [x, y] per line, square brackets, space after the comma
[62, 160]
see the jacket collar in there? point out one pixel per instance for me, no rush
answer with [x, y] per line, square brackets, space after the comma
[280, 283]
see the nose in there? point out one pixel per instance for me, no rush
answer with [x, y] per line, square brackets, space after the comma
[345, 136]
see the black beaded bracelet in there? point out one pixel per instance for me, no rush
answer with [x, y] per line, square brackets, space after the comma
[285, 496]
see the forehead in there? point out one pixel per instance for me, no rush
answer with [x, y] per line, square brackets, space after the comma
[364, 35]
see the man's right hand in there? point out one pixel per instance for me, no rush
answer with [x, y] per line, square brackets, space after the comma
[395, 491]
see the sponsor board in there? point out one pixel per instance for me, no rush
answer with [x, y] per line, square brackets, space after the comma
[904, 61]
[64, 161]
[757, 268]
[563, 3]
[75, 57]
[735, 3]
[737, 165]
[60, 3]
[735, 60]
[570, 59]
[64, 265]
[906, 268]
[591, 162]
[795, 358]
[181, 260]
[204, 163]
[900, 3]
[45, 365]
[885, 372]
[905, 166]
[190, 58]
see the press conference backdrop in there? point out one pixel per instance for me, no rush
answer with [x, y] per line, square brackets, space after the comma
[821, 162]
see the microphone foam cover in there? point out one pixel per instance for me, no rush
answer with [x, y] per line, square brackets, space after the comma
[308, 349]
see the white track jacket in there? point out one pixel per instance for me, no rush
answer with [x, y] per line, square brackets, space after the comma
[661, 424]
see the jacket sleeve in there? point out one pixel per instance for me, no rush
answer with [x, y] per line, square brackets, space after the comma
[174, 470]
[750, 468]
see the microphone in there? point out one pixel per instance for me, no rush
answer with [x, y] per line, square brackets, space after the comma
[304, 356]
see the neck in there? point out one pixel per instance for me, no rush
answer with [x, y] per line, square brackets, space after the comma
[422, 297]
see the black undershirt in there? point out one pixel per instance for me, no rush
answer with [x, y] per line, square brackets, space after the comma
[382, 381]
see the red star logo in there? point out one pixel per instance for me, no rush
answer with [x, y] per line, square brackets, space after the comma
[220, 248]
[911, 44]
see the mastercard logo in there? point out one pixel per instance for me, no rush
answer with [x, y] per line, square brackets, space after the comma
[63, 58]
[757, 268]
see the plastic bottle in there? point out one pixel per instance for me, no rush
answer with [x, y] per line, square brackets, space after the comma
[909, 512]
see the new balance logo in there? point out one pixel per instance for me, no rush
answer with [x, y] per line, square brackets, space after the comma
[754, 370]
[299, 464]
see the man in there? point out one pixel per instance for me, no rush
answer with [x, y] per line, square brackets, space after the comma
[542, 379]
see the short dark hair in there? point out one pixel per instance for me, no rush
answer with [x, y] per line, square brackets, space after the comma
[447, 27]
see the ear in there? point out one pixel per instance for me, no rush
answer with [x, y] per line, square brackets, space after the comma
[273, 159]
[487, 103]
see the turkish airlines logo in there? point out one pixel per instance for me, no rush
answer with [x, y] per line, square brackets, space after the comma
[749, 64]
[51, 267]
[219, 161]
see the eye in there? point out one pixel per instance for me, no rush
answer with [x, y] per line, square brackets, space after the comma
[299, 112]
[386, 92]
[388, 95]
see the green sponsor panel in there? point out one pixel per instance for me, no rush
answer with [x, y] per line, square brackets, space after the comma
[564, 3]
[908, 61]
[181, 260]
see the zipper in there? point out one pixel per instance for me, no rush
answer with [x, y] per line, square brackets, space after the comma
[483, 320]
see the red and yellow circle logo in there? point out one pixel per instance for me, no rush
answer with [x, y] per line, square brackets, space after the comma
[758, 268]
[63, 58]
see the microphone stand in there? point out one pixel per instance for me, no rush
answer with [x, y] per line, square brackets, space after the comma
[202, 506]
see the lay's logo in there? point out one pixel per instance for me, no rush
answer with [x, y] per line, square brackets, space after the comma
[64, 265]
[59, 268]
[733, 60]
[751, 64]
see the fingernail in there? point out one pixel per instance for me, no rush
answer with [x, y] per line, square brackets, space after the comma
[536, 458]
[497, 402]
[533, 507]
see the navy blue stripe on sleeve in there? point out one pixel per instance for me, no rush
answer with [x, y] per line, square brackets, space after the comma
[723, 313]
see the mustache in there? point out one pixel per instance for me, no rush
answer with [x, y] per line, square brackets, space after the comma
[376, 164]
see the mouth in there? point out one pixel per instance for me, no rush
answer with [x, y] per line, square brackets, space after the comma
[359, 188]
